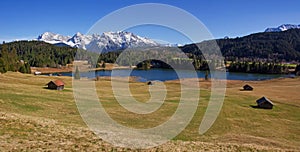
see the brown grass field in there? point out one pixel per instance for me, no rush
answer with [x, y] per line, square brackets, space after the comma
[70, 68]
[33, 118]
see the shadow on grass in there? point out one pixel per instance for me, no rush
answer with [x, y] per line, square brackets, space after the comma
[257, 107]
[246, 90]
[63, 90]
[46, 88]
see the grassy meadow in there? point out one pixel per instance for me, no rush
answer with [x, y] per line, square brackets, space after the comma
[35, 118]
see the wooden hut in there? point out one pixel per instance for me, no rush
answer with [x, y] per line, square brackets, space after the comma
[56, 85]
[264, 103]
[247, 87]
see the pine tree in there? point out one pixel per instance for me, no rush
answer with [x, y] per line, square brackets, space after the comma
[27, 68]
[13, 59]
[103, 65]
[247, 67]
[206, 75]
[22, 69]
[77, 74]
[5, 57]
[2, 66]
[297, 71]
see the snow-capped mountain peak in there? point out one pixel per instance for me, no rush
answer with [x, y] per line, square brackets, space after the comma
[108, 41]
[48, 36]
[283, 27]
[78, 34]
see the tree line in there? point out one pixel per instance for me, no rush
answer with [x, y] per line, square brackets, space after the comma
[258, 67]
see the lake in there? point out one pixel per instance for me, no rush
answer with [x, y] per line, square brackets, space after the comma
[169, 74]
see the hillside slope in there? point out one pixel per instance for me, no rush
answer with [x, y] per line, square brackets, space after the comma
[273, 46]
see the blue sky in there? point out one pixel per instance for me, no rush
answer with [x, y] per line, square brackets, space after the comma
[30, 18]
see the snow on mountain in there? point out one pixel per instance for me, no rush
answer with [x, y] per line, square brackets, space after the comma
[108, 41]
[53, 38]
[283, 27]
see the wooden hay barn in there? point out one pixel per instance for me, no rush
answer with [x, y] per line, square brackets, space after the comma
[247, 87]
[264, 103]
[56, 85]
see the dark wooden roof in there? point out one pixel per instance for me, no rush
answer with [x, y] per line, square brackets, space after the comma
[264, 99]
[247, 86]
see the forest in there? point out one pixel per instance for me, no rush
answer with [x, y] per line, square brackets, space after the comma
[21, 55]
[267, 46]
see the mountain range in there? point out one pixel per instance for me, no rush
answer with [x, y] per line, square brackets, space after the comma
[108, 41]
[283, 27]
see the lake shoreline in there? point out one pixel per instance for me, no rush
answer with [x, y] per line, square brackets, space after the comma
[152, 74]
[169, 74]
[112, 66]
[135, 79]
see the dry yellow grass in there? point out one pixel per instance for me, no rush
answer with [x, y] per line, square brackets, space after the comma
[34, 118]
